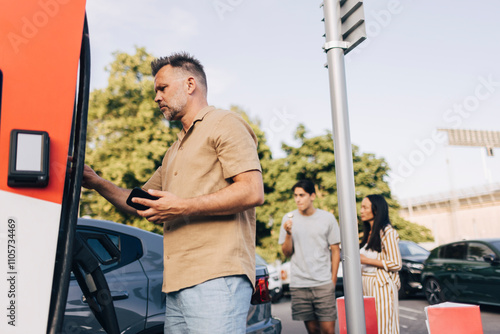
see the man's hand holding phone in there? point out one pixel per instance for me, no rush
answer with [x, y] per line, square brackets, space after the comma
[167, 206]
[138, 192]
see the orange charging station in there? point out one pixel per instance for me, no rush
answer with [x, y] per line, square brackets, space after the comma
[44, 80]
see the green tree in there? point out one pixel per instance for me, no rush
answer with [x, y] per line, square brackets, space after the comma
[127, 135]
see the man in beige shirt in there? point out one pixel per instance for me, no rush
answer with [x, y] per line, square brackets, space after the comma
[208, 186]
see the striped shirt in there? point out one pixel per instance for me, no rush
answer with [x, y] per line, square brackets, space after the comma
[384, 283]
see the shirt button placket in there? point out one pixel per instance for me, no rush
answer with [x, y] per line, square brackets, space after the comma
[180, 149]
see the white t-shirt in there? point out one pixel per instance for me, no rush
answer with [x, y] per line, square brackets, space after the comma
[312, 236]
[369, 253]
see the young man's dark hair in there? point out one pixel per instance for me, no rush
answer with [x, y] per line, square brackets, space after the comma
[307, 185]
[184, 61]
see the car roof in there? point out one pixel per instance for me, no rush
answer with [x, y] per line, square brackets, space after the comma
[486, 239]
[473, 240]
[480, 240]
[118, 227]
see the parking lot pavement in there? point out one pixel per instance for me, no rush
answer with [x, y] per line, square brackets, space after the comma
[411, 317]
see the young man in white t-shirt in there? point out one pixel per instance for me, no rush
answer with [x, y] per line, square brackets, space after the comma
[311, 237]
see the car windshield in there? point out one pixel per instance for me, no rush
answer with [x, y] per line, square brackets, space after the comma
[496, 244]
[411, 249]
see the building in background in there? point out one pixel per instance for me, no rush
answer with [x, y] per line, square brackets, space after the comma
[463, 214]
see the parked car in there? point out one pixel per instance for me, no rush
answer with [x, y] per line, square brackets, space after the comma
[275, 285]
[413, 257]
[134, 275]
[464, 271]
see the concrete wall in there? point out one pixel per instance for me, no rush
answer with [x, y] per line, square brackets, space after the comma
[466, 216]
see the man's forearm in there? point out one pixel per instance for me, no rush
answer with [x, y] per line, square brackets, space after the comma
[115, 195]
[287, 246]
[107, 189]
[335, 251]
[335, 270]
[246, 192]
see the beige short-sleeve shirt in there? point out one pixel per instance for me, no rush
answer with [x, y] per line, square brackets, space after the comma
[218, 146]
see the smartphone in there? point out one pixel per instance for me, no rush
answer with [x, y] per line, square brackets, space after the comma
[138, 192]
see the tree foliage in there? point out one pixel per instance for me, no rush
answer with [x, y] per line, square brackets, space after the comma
[128, 137]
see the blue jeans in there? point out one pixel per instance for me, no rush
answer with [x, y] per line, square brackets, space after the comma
[216, 306]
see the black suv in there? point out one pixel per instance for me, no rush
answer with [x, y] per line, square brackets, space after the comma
[413, 257]
[464, 271]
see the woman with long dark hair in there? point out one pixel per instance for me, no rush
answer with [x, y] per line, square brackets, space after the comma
[380, 262]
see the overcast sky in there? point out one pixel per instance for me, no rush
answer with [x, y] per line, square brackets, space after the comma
[425, 65]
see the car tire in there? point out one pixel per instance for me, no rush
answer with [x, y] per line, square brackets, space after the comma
[434, 292]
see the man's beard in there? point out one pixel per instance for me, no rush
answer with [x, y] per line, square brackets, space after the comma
[175, 107]
[171, 114]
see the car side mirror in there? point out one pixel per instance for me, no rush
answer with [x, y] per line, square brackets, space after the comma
[101, 247]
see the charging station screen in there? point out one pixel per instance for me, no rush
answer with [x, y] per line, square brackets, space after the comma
[29, 159]
[29, 152]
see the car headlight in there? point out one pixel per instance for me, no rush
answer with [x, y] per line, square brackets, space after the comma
[413, 265]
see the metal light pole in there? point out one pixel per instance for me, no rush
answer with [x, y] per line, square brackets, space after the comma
[334, 47]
